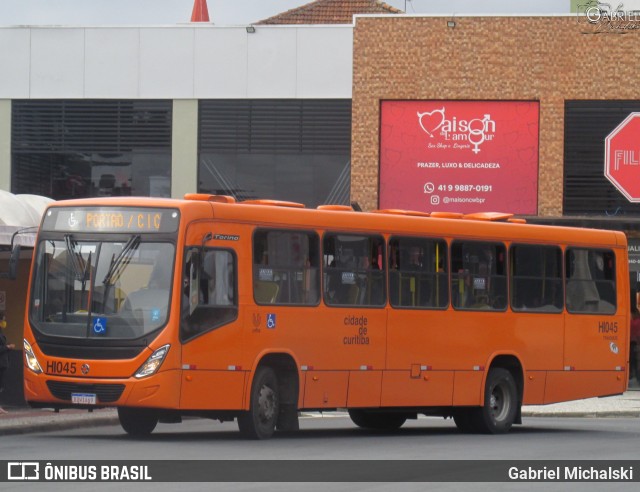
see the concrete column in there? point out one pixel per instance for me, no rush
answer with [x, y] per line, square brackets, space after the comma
[5, 144]
[184, 147]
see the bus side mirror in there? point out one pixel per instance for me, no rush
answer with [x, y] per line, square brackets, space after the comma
[13, 262]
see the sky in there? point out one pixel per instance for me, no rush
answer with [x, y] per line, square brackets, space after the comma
[226, 12]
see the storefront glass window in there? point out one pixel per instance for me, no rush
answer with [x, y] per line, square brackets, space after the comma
[296, 150]
[76, 149]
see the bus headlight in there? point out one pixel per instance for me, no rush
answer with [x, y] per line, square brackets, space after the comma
[30, 358]
[153, 363]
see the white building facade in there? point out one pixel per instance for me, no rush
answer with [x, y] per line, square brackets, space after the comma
[178, 109]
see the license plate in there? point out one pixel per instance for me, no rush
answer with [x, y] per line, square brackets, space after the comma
[83, 398]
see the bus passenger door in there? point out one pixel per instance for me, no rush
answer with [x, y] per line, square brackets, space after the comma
[210, 327]
[422, 348]
[346, 360]
[421, 356]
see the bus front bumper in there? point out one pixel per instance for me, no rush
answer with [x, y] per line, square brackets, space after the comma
[162, 390]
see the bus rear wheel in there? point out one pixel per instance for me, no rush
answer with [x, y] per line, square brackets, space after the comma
[500, 408]
[377, 420]
[261, 419]
[137, 421]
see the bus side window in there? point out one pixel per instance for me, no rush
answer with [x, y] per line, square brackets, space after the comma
[418, 273]
[591, 285]
[209, 293]
[536, 278]
[286, 267]
[354, 270]
[479, 280]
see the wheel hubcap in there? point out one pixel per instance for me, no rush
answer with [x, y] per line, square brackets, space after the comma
[499, 403]
[267, 404]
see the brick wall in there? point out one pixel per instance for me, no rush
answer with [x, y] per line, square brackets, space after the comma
[548, 59]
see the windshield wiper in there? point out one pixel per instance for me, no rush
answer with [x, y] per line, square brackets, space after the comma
[81, 273]
[120, 262]
[75, 258]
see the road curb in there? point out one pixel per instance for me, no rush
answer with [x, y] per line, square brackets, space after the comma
[31, 427]
[24, 422]
[603, 414]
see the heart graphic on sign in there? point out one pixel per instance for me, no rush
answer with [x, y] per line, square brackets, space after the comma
[431, 121]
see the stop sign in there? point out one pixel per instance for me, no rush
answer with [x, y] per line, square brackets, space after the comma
[622, 157]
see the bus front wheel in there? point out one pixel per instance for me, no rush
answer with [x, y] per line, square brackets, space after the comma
[137, 421]
[260, 421]
[500, 408]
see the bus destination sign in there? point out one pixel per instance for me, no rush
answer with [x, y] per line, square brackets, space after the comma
[120, 219]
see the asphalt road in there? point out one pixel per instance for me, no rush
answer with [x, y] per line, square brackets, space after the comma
[336, 438]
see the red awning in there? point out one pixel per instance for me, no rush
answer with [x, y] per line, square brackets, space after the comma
[200, 11]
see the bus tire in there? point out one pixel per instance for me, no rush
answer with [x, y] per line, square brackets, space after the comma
[377, 420]
[500, 408]
[137, 422]
[264, 407]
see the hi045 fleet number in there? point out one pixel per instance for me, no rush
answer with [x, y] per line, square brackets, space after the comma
[61, 367]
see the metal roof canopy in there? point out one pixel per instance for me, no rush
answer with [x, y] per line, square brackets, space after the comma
[18, 212]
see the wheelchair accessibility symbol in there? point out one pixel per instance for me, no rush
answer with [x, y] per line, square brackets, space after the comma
[99, 325]
[271, 321]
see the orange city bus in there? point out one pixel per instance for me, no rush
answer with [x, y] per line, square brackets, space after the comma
[257, 310]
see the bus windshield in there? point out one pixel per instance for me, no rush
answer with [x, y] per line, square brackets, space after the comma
[101, 289]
